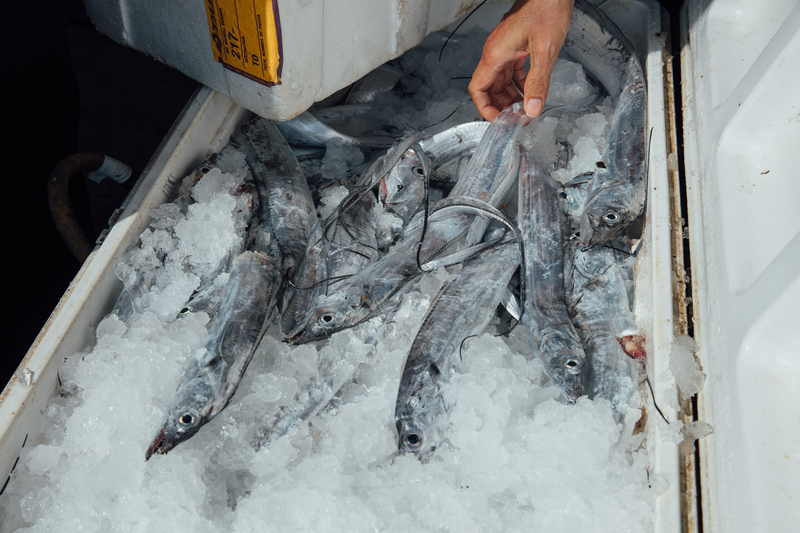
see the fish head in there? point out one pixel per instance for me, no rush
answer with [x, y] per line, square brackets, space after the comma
[343, 309]
[605, 216]
[420, 416]
[573, 196]
[191, 409]
[403, 188]
[564, 360]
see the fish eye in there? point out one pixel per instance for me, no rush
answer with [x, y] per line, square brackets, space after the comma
[205, 170]
[416, 169]
[573, 364]
[187, 420]
[185, 311]
[400, 186]
[562, 195]
[413, 440]
[611, 217]
[600, 164]
[325, 320]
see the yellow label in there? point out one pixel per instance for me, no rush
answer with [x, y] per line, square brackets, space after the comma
[246, 38]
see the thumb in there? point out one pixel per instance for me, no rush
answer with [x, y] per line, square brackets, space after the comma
[537, 83]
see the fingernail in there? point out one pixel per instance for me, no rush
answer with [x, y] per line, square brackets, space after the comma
[534, 107]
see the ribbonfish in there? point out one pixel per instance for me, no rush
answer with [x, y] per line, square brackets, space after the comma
[617, 190]
[215, 372]
[551, 335]
[380, 80]
[615, 264]
[308, 130]
[402, 190]
[600, 307]
[361, 296]
[308, 284]
[462, 308]
[283, 185]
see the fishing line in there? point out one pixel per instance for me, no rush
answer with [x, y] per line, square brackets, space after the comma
[653, 394]
[423, 161]
[334, 278]
[459, 106]
[461, 348]
[625, 252]
[459, 25]
[352, 236]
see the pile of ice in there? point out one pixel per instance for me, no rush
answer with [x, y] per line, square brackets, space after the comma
[517, 458]
[182, 247]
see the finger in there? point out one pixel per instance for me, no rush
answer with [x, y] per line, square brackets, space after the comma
[492, 86]
[482, 81]
[519, 76]
[537, 83]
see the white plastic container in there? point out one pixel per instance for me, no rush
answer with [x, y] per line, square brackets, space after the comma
[327, 44]
[206, 125]
[741, 73]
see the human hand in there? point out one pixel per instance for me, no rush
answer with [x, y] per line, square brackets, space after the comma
[531, 28]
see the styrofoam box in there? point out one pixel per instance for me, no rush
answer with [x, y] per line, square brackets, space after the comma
[740, 65]
[327, 44]
[205, 126]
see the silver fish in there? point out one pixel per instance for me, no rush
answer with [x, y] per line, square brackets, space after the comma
[353, 244]
[381, 80]
[402, 190]
[215, 373]
[453, 143]
[614, 264]
[602, 316]
[617, 192]
[362, 295]
[341, 248]
[307, 130]
[594, 41]
[360, 122]
[283, 188]
[461, 309]
[573, 195]
[551, 335]
[308, 283]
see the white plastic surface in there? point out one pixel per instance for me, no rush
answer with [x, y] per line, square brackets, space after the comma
[205, 127]
[327, 44]
[741, 73]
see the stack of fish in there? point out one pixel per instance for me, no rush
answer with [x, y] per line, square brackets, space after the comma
[471, 195]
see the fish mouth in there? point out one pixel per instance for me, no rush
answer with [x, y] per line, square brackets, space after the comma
[300, 336]
[383, 192]
[156, 446]
[587, 233]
